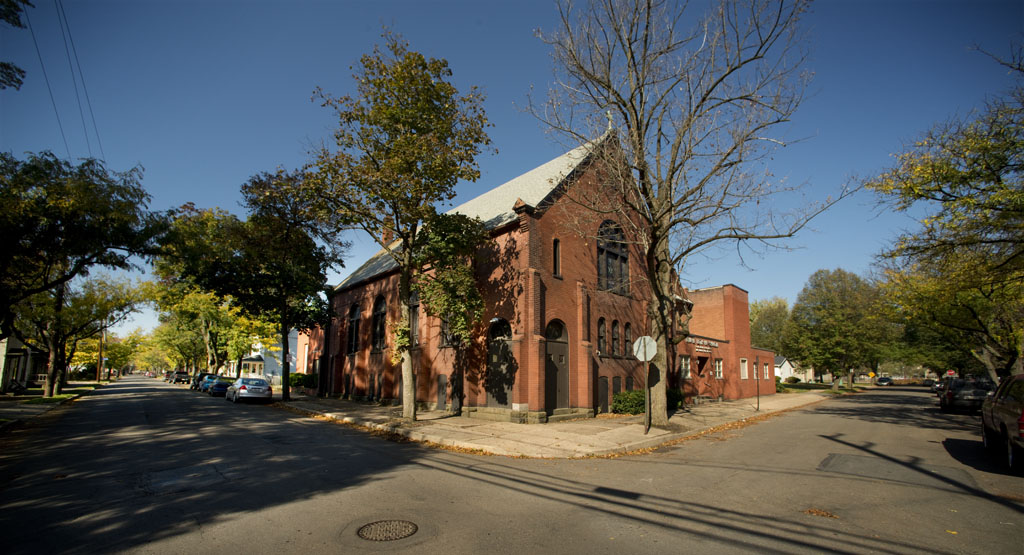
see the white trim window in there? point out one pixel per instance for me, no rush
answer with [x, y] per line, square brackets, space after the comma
[684, 366]
[767, 375]
[718, 368]
[743, 369]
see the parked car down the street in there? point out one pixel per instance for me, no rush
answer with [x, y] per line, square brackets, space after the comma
[250, 388]
[219, 387]
[180, 376]
[204, 386]
[199, 379]
[968, 394]
[1002, 421]
[884, 381]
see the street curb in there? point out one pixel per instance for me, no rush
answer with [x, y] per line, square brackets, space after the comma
[4, 426]
[426, 437]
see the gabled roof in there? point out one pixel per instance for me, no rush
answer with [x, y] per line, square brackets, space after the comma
[779, 360]
[494, 207]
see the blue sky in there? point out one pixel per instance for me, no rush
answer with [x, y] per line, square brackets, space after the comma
[204, 94]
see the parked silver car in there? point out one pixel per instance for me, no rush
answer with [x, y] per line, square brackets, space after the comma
[249, 388]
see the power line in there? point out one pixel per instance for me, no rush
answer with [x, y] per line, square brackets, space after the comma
[81, 75]
[74, 80]
[47, 79]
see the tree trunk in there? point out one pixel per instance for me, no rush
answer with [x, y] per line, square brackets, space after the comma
[53, 340]
[285, 391]
[408, 379]
[660, 311]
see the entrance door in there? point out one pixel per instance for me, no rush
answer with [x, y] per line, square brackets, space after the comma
[556, 367]
[501, 366]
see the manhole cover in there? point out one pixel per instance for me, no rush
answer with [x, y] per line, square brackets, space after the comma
[387, 530]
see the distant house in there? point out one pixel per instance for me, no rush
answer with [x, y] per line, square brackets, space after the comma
[265, 362]
[784, 368]
[21, 363]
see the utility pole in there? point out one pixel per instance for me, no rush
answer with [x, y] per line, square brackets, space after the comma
[99, 363]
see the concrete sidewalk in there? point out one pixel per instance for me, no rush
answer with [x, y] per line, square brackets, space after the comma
[589, 437]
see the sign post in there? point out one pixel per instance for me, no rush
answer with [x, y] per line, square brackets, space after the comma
[644, 349]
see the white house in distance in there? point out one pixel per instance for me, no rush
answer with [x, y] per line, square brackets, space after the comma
[784, 369]
[264, 362]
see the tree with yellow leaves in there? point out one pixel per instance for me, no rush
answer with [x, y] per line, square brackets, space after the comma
[963, 269]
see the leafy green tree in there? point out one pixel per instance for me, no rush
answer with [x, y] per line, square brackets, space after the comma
[963, 267]
[690, 106]
[67, 219]
[10, 13]
[402, 143]
[57, 319]
[828, 328]
[286, 256]
[271, 266]
[767, 321]
[181, 342]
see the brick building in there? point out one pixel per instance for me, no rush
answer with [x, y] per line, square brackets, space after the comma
[564, 304]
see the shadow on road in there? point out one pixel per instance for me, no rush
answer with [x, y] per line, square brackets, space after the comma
[66, 484]
[202, 461]
[899, 407]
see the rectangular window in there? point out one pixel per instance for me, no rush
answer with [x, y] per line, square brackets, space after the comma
[556, 255]
[767, 376]
[684, 366]
[743, 369]
[718, 368]
[448, 338]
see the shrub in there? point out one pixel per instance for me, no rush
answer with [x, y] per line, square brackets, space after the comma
[628, 402]
[792, 379]
[82, 374]
[632, 402]
[302, 380]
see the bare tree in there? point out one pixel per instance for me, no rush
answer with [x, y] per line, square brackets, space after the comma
[688, 105]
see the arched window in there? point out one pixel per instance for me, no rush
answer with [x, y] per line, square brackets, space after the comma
[612, 259]
[615, 338]
[627, 341]
[353, 329]
[380, 313]
[601, 347]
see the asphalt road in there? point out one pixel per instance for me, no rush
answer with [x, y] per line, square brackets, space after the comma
[145, 467]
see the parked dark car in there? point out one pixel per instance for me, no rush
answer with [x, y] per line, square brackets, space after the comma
[967, 394]
[1002, 421]
[180, 376]
[199, 379]
[928, 382]
[219, 387]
